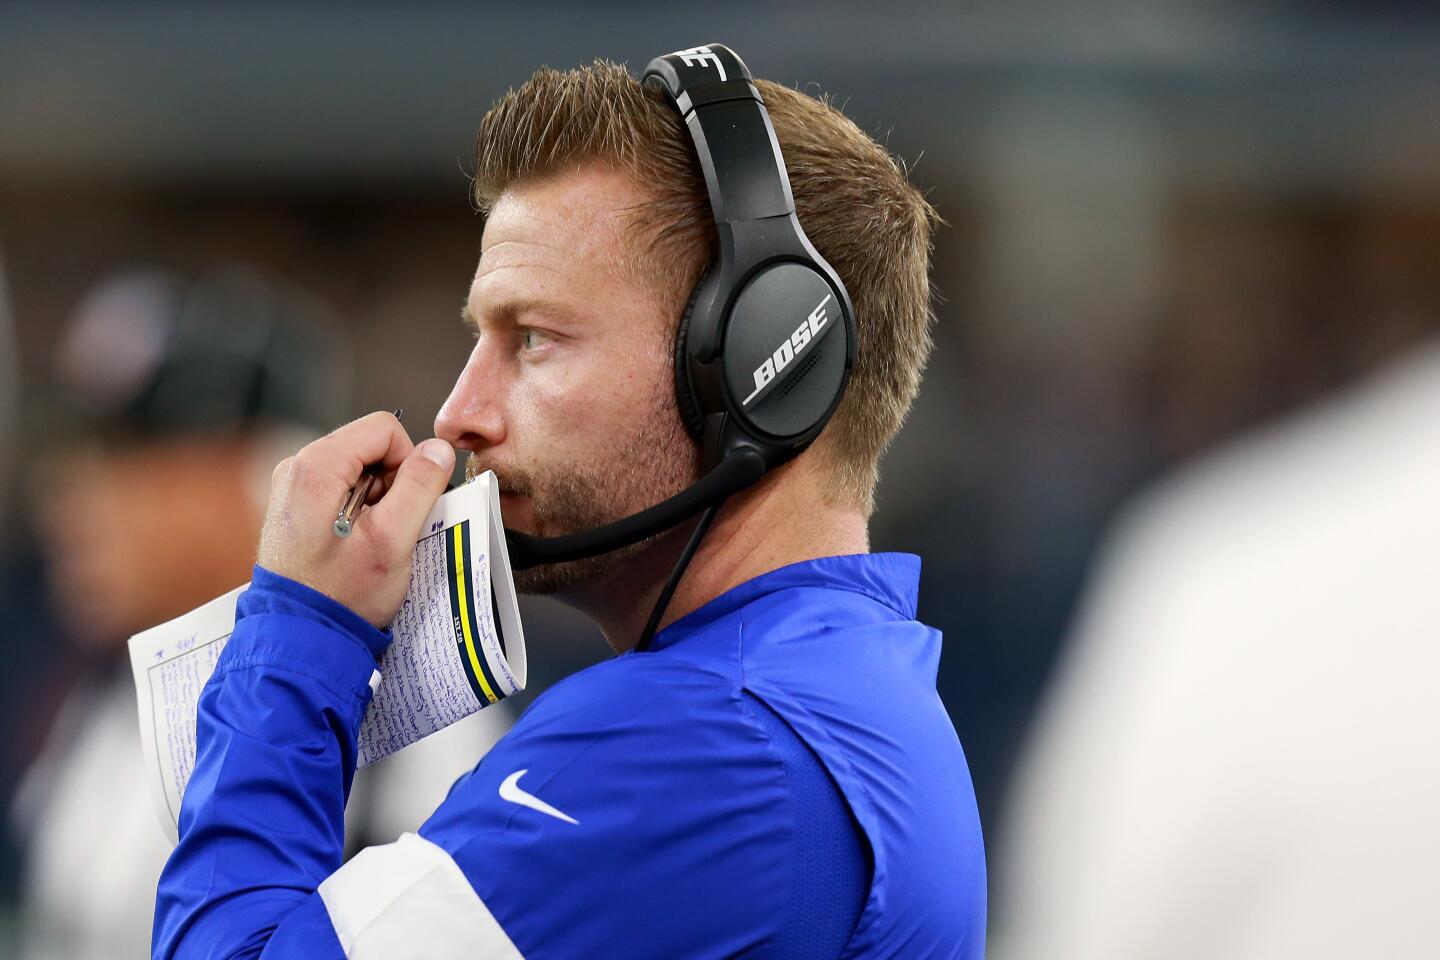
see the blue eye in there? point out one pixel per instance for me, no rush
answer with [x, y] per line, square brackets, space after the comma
[531, 339]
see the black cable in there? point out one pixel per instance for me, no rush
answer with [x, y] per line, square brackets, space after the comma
[675, 575]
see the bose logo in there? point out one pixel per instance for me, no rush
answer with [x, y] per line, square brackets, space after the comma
[804, 335]
[699, 57]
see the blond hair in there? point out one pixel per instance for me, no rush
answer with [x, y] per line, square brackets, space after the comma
[853, 199]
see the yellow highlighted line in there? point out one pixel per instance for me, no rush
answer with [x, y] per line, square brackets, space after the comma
[465, 613]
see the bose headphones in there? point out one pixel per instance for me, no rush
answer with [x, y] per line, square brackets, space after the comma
[767, 341]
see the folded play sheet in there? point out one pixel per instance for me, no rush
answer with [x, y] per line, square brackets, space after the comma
[458, 647]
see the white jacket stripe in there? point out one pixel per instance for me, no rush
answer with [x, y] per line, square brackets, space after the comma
[409, 899]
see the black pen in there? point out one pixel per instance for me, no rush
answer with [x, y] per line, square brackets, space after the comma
[345, 521]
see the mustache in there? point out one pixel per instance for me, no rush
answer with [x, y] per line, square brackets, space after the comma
[513, 480]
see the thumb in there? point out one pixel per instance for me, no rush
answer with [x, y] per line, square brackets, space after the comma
[418, 483]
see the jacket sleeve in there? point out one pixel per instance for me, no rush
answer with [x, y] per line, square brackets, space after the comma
[262, 819]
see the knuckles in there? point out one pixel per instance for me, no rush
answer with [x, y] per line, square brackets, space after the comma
[311, 479]
[281, 472]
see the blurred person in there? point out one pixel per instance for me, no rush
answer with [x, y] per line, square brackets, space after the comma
[768, 773]
[1239, 755]
[173, 398]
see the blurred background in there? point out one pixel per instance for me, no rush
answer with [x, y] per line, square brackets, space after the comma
[1168, 224]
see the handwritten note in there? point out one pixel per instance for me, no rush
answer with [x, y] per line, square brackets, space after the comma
[458, 647]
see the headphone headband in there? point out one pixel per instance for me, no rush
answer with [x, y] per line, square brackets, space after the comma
[734, 139]
[701, 75]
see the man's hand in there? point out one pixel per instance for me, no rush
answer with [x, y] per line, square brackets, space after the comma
[369, 571]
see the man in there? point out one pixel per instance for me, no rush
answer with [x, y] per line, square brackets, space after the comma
[775, 775]
[174, 394]
[1239, 758]
[166, 393]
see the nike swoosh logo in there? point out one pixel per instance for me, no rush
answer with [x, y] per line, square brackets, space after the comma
[510, 790]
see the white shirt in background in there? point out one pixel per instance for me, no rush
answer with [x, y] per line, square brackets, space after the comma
[95, 845]
[1240, 757]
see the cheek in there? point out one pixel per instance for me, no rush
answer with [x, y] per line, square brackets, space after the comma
[99, 542]
[596, 406]
[174, 518]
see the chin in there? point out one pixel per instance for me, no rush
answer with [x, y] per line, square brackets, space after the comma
[578, 582]
[545, 581]
[516, 513]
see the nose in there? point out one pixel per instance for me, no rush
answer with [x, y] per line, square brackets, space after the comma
[472, 417]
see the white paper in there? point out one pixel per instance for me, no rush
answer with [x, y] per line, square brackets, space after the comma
[447, 660]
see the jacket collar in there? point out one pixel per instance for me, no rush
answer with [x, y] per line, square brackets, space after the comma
[891, 579]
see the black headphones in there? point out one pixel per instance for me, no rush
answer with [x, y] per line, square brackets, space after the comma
[767, 341]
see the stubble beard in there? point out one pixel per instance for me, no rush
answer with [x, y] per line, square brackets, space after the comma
[656, 462]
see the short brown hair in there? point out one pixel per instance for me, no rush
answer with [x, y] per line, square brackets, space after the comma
[854, 200]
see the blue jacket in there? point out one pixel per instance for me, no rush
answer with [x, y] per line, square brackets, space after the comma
[776, 777]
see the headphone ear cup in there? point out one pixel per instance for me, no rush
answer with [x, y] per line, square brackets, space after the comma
[684, 393]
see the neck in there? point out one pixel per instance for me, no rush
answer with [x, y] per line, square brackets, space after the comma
[758, 530]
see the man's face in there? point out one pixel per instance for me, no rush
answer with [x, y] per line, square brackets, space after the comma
[569, 393]
[135, 534]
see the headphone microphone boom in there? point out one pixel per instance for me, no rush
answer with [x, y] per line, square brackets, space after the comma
[767, 342]
[732, 475]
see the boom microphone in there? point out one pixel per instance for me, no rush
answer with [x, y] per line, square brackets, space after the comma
[741, 468]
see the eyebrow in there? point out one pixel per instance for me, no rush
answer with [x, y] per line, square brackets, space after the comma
[509, 310]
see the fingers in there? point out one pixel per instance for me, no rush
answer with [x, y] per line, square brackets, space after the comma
[323, 473]
[369, 571]
[422, 477]
[374, 439]
[379, 488]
